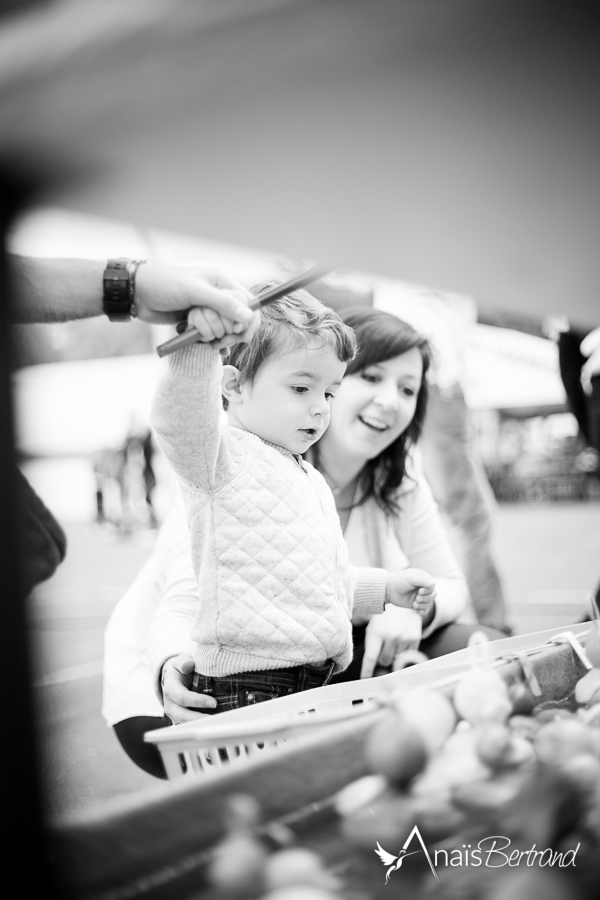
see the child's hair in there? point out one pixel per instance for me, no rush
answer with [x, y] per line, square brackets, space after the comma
[293, 321]
[382, 336]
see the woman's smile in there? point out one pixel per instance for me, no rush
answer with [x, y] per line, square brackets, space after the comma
[373, 423]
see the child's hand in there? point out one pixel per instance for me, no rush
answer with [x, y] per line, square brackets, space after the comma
[412, 588]
[213, 326]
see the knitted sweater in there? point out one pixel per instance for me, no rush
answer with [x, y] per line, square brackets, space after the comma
[275, 586]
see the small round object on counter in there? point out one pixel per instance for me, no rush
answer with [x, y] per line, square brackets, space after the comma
[501, 748]
[431, 713]
[522, 699]
[476, 688]
[395, 749]
[359, 793]
[583, 772]
[237, 867]
[558, 741]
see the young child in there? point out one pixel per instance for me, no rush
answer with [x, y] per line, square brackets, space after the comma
[276, 591]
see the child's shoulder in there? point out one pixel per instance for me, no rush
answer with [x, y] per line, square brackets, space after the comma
[316, 476]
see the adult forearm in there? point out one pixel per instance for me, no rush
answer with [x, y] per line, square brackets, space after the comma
[57, 290]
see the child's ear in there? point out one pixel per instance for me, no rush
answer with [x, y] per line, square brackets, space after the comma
[231, 387]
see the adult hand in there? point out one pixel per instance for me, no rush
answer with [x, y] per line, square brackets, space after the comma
[169, 293]
[177, 696]
[388, 634]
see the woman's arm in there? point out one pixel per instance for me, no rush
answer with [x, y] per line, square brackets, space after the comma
[170, 648]
[423, 538]
[169, 632]
[128, 684]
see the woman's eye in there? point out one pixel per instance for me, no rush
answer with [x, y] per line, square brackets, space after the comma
[329, 395]
[368, 376]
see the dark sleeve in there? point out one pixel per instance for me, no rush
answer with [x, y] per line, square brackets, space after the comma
[593, 413]
[42, 540]
[570, 360]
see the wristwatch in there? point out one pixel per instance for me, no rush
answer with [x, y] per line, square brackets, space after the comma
[118, 289]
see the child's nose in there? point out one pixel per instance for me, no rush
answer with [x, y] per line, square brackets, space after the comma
[318, 408]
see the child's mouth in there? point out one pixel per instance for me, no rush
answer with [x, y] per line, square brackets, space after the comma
[309, 432]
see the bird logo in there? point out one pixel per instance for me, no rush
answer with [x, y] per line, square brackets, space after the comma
[394, 862]
[388, 859]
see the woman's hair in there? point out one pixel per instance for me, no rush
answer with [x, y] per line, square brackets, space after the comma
[382, 336]
[297, 320]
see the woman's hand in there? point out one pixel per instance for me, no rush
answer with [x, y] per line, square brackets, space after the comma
[387, 635]
[177, 697]
[413, 589]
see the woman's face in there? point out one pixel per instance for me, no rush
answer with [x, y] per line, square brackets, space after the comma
[375, 406]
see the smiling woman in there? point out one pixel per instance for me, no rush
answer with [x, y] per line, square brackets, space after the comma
[380, 407]
[385, 506]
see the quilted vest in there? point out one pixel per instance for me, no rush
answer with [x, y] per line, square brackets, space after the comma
[274, 578]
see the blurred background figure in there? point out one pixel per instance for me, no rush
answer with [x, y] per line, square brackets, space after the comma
[125, 481]
[458, 481]
[108, 466]
[579, 363]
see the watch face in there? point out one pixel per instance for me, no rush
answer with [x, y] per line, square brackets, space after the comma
[116, 301]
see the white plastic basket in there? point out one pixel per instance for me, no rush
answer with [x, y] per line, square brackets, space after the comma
[232, 738]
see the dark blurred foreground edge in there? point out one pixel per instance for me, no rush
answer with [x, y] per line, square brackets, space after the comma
[23, 846]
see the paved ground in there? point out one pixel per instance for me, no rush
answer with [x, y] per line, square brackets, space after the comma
[549, 557]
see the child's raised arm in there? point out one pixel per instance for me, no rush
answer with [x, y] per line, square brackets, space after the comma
[187, 414]
[187, 409]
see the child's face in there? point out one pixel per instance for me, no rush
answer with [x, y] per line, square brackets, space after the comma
[288, 402]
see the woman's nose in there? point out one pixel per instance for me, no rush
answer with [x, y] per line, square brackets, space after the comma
[387, 396]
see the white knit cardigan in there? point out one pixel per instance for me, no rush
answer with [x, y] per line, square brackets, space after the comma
[275, 585]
